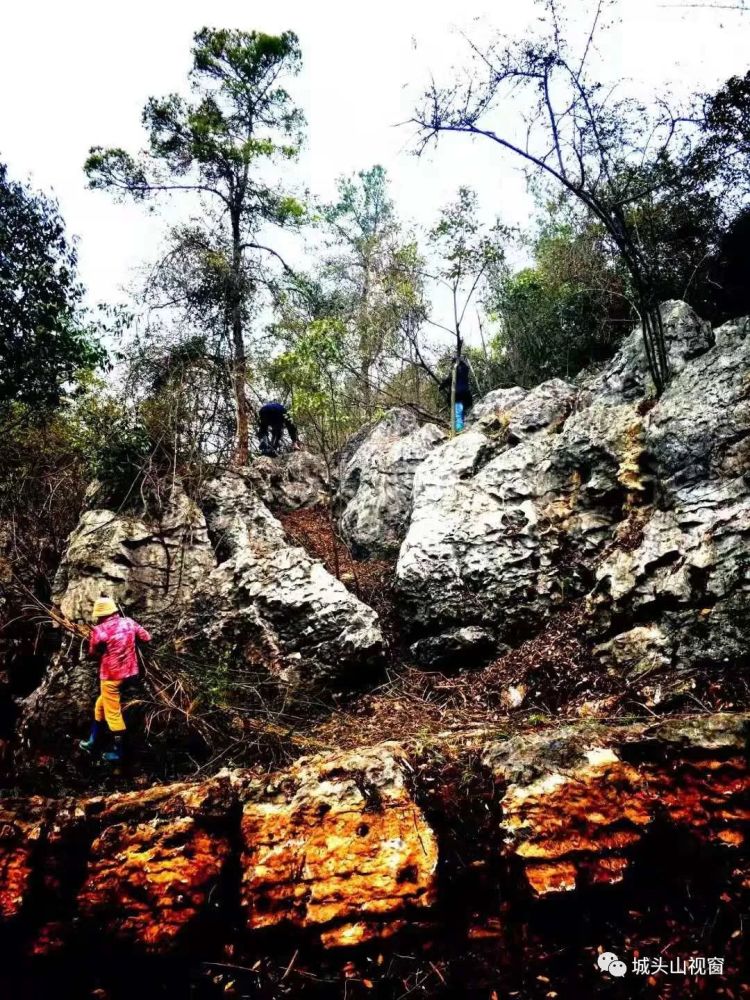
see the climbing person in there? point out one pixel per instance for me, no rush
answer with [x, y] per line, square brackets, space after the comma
[113, 641]
[273, 419]
[457, 387]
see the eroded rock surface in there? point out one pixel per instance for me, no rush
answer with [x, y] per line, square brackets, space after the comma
[290, 481]
[489, 509]
[148, 883]
[337, 848]
[376, 482]
[627, 377]
[598, 490]
[268, 596]
[152, 568]
[21, 827]
[149, 567]
[687, 581]
[579, 801]
[225, 576]
[338, 843]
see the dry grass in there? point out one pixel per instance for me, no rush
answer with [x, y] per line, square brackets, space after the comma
[170, 696]
[547, 679]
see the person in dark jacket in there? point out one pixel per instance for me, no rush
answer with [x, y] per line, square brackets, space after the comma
[464, 400]
[273, 420]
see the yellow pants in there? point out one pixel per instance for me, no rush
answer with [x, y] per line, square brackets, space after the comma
[108, 706]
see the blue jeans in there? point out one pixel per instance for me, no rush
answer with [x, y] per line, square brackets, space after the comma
[458, 422]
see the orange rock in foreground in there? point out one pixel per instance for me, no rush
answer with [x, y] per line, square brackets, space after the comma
[337, 840]
[577, 801]
[337, 846]
[20, 832]
[148, 883]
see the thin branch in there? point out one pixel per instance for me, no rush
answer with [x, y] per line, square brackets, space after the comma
[706, 6]
[597, 15]
[440, 326]
[259, 246]
[471, 292]
[147, 188]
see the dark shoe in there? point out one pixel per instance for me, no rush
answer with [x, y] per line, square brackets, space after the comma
[115, 755]
[89, 745]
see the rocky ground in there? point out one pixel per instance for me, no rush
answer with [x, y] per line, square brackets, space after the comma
[449, 725]
[354, 848]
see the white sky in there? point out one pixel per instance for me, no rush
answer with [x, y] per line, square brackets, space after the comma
[75, 74]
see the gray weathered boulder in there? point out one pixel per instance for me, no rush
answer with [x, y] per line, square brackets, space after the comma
[376, 482]
[228, 572]
[224, 579]
[688, 579]
[289, 482]
[699, 430]
[626, 377]
[643, 504]
[518, 413]
[271, 598]
[488, 412]
[366, 444]
[487, 512]
[148, 566]
[152, 567]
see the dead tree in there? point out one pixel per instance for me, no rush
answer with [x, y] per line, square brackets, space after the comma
[539, 101]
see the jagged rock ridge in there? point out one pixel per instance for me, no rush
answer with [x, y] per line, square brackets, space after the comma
[225, 576]
[595, 490]
[338, 846]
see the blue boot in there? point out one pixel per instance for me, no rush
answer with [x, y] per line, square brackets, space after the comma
[115, 755]
[89, 745]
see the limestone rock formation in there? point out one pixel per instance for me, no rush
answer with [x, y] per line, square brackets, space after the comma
[376, 482]
[687, 581]
[626, 377]
[336, 847]
[337, 842]
[290, 481]
[579, 801]
[488, 411]
[21, 824]
[226, 577]
[488, 507]
[366, 445]
[148, 567]
[564, 491]
[152, 568]
[60, 708]
[155, 861]
[270, 597]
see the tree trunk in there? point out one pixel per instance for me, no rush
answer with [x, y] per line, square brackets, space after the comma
[239, 361]
[364, 346]
[653, 340]
[364, 379]
[648, 306]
